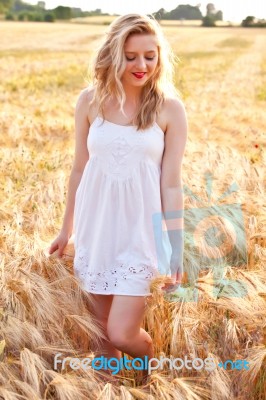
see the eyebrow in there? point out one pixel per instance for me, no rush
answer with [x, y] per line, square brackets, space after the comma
[133, 52]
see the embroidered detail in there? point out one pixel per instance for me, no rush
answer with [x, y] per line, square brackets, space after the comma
[109, 278]
[119, 157]
[122, 151]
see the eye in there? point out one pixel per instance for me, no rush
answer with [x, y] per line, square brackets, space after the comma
[147, 58]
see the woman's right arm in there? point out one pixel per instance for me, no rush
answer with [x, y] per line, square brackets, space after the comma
[80, 159]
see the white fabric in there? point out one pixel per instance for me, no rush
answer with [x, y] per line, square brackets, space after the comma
[115, 250]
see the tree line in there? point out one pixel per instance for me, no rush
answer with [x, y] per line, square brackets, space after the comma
[21, 11]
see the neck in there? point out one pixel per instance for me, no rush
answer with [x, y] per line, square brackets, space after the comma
[132, 94]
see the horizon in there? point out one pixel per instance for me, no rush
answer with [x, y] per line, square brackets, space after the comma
[234, 13]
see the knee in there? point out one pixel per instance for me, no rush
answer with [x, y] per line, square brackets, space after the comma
[117, 337]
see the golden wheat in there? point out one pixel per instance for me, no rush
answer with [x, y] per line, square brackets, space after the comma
[220, 310]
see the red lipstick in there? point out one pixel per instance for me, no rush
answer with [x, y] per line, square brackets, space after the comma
[139, 75]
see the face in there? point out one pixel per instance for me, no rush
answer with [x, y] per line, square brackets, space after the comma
[141, 55]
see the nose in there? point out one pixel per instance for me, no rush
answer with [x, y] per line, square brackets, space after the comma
[141, 64]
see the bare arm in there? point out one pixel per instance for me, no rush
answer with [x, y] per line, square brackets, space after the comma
[171, 183]
[81, 157]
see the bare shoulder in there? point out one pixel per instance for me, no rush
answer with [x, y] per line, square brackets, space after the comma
[170, 108]
[85, 96]
[174, 105]
[83, 102]
[175, 114]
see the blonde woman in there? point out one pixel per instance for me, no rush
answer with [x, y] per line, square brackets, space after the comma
[131, 131]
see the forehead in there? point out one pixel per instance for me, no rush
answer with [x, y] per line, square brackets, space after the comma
[140, 42]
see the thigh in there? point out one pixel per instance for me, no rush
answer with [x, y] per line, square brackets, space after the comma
[126, 314]
[101, 305]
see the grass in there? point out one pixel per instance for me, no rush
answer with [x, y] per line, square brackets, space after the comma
[47, 80]
[235, 42]
[42, 309]
[261, 86]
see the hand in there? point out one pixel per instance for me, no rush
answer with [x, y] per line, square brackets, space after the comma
[172, 283]
[59, 244]
[176, 264]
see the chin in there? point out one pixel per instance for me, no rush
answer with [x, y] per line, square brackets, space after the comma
[140, 82]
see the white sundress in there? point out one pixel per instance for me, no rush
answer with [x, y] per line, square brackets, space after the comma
[118, 195]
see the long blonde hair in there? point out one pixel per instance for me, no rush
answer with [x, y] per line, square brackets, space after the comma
[109, 64]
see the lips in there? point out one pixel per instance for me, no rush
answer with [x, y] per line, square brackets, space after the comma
[139, 75]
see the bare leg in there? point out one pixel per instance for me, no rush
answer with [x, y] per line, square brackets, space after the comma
[101, 311]
[124, 327]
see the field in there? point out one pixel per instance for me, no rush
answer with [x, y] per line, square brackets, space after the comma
[222, 79]
[105, 20]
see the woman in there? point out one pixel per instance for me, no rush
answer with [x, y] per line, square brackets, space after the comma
[131, 131]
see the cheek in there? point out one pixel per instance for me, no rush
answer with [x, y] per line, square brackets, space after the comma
[153, 67]
[128, 68]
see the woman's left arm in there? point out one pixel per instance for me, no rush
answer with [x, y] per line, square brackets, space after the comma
[171, 183]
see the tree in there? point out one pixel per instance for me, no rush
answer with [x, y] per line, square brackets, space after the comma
[62, 12]
[49, 17]
[212, 13]
[159, 14]
[5, 5]
[22, 16]
[210, 9]
[18, 5]
[208, 21]
[183, 11]
[219, 16]
[248, 21]
[9, 16]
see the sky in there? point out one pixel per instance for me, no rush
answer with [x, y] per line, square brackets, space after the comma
[233, 10]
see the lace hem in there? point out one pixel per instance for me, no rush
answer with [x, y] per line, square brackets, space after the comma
[121, 275]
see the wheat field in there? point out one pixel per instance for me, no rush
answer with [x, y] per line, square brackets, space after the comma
[43, 311]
